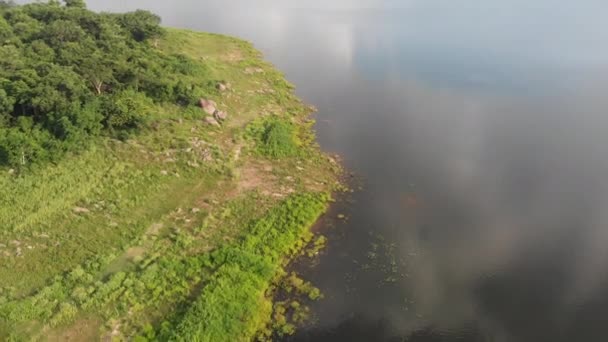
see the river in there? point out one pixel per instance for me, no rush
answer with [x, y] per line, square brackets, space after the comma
[478, 133]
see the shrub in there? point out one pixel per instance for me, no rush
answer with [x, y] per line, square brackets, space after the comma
[127, 109]
[274, 137]
[228, 309]
[66, 314]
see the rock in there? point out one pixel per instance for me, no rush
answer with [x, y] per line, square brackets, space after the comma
[210, 109]
[251, 70]
[208, 106]
[220, 116]
[204, 102]
[211, 121]
[222, 87]
[80, 210]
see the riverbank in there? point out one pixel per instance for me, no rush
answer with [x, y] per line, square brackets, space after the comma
[177, 232]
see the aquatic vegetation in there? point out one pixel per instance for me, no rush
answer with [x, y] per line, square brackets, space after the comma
[289, 309]
[228, 307]
[315, 248]
[381, 258]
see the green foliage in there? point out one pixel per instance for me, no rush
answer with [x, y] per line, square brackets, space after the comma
[228, 309]
[25, 143]
[74, 74]
[275, 137]
[142, 25]
[232, 304]
[81, 232]
[75, 3]
[126, 109]
[66, 314]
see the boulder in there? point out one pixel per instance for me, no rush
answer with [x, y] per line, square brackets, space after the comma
[211, 121]
[220, 116]
[208, 106]
[222, 87]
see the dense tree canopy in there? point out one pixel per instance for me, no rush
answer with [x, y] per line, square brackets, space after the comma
[68, 74]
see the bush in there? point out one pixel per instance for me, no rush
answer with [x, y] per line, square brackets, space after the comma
[66, 314]
[127, 109]
[228, 309]
[24, 146]
[275, 137]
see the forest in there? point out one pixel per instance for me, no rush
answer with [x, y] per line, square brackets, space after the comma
[68, 75]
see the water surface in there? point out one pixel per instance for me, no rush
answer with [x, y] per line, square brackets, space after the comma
[478, 129]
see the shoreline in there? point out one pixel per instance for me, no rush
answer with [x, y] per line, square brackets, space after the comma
[179, 210]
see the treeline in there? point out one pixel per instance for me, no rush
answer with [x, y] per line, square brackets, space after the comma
[68, 74]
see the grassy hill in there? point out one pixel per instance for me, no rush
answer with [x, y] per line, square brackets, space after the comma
[175, 231]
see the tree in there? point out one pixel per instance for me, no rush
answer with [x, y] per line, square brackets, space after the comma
[126, 109]
[24, 144]
[97, 71]
[7, 104]
[62, 31]
[7, 4]
[142, 25]
[75, 3]
[6, 32]
[68, 74]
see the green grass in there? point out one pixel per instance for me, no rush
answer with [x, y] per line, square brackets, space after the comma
[144, 237]
[228, 307]
[274, 137]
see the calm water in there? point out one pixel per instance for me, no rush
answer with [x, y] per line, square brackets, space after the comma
[478, 130]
